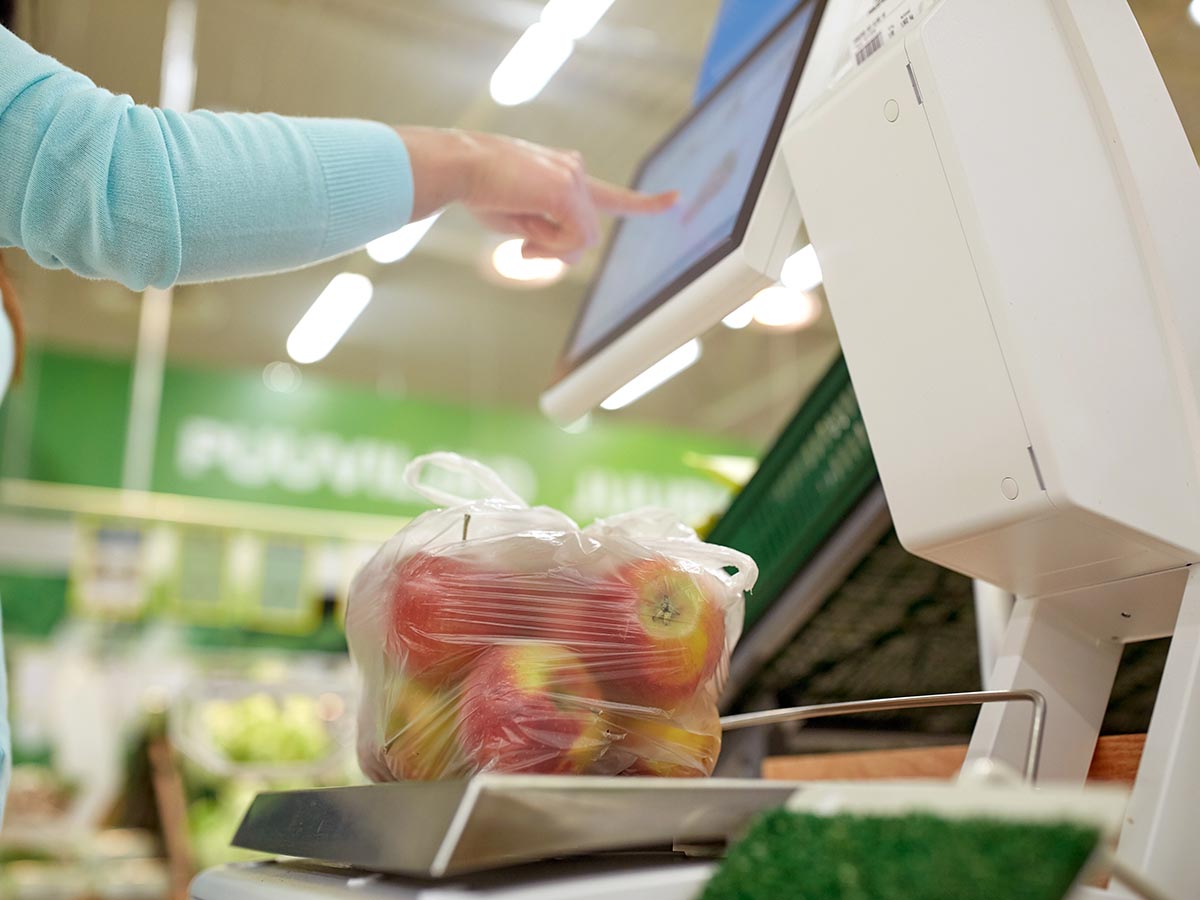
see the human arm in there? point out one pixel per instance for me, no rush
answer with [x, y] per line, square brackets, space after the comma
[111, 189]
[543, 194]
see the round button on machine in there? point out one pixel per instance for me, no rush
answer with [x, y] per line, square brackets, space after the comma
[1009, 488]
[891, 110]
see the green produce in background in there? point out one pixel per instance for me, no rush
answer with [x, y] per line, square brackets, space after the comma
[260, 729]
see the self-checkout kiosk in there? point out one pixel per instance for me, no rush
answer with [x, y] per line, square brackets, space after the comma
[1007, 217]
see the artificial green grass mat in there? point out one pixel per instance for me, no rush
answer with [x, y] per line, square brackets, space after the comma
[912, 857]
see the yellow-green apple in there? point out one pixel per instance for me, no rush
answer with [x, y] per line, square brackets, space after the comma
[532, 707]
[684, 747]
[420, 735]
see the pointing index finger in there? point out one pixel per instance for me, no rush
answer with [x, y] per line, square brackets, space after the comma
[623, 201]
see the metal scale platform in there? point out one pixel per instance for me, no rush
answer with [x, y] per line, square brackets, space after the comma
[440, 829]
[525, 835]
[493, 835]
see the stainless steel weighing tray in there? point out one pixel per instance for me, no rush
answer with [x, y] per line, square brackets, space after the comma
[436, 829]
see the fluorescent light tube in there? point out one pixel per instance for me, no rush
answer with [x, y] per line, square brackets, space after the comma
[801, 270]
[395, 246]
[331, 314]
[659, 373]
[530, 64]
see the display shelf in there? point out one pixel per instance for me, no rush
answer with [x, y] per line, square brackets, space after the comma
[179, 509]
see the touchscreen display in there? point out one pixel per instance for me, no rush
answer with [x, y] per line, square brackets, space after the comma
[712, 161]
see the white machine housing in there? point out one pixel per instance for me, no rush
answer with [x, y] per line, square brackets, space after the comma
[1007, 215]
[756, 263]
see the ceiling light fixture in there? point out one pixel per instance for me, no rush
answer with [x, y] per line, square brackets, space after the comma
[330, 316]
[740, 317]
[543, 48]
[801, 270]
[509, 263]
[395, 246]
[530, 64]
[658, 374]
[784, 308]
[1194, 11]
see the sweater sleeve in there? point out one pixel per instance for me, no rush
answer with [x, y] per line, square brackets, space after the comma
[111, 189]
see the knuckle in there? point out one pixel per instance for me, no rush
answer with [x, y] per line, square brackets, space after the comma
[565, 178]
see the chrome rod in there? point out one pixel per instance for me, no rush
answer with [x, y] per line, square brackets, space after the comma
[1033, 753]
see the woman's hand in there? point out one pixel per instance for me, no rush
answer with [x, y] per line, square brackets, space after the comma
[515, 187]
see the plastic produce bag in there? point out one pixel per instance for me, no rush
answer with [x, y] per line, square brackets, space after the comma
[495, 637]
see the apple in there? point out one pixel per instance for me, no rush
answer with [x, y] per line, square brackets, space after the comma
[420, 739]
[532, 708]
[652, 634]
[681, 747]
[445, 607]
[440, 614]
[542, 578]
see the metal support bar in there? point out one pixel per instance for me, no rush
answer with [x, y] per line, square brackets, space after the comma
[1033, 753]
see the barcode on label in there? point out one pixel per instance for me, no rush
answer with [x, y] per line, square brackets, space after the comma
[868, 49]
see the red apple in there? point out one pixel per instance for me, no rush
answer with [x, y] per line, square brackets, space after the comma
[420, 735]
[444, 607]
[440, 614]
[541, 578]
[532, 708]
[652, 634]
[589, 615]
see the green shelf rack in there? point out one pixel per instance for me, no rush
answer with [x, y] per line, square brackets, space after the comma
[812, 477]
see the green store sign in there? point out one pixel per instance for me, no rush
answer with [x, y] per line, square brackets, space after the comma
[331, 446]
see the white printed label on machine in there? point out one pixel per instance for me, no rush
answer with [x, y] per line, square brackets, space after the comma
[883, 20]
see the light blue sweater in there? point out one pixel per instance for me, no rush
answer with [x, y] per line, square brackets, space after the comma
[110, 189]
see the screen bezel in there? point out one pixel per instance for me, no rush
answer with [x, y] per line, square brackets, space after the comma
[568, 363]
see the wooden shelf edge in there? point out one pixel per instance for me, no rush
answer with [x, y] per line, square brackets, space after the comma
[1116, 760]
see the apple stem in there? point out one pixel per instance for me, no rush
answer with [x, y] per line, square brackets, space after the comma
[666, 612]
[466, 524]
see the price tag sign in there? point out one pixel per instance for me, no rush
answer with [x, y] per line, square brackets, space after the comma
[108, 575]
[199, 591]
[282, 592]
